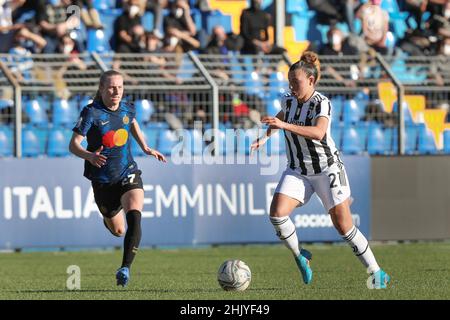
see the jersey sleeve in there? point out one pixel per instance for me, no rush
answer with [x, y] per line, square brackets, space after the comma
[283, 102]
[323, 109]
[132, 111]
[84, 122]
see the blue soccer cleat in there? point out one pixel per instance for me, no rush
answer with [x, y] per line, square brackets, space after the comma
[380, 280]
[302, 261]
[123, 276]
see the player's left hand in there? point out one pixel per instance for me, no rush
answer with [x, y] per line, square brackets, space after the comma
[159, 156]
[274, 122]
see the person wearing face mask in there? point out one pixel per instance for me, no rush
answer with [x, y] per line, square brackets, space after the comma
[54, 21]
[179, 28]
[130, 34]
[338, 45]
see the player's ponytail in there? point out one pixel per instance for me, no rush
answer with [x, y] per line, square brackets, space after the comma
[310, 64]
[105, 75]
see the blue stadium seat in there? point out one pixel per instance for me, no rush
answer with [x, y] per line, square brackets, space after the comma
[362, 129]
[187, 68]
[351, 141]
[144, 110]
[148, 21]
[215, 18]
[135, 148]
[97, 41]
[253, 84]
[5, 103]
[248, 63]
[273, 106]
[376, 141]
[410, 139]
[6, 141]
[391, 6]
[108, 18]
[426, 144]
[336, 134]
[406, 113]
[167, 141]
[58, 143]
[36, 112]
[337, 104]
[31, 146]
[84, 101]
[353, 112]
[64, 113]
[296, 6]
[196, 16]
[447, 141]
[104, 4]
[237, 73]
[277, 84]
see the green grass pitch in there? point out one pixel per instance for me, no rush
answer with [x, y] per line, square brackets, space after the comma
[418, 271]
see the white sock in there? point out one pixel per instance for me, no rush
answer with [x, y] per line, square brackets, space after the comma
[287, 233]
[361, 249]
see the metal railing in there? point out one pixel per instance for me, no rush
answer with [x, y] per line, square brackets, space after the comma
[233, 89]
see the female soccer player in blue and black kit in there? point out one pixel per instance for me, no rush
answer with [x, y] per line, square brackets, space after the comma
[116, 180]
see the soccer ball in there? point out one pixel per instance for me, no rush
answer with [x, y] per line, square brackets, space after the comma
[234, 275]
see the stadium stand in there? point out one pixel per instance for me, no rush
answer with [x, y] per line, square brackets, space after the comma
[171, 92]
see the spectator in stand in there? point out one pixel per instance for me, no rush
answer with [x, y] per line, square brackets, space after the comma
[417, 8]
[7, 28]
[222, 43]
[68, 46]
[327, 11]
[54, 22]
[156, 7]
[21, 53]
[130, 34]
[254, 30]
[25, 12]
[338, 45]
[375, 25]
[89, 14]
[179, 28]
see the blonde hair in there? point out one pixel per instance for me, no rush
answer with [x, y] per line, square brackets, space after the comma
[105, 75]
[309, 62]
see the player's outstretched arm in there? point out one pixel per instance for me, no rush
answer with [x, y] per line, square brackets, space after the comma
[270, 130]
[95, 158]
[316, 132]
[137, 134]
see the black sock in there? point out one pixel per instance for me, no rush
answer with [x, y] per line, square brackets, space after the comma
[132, 237]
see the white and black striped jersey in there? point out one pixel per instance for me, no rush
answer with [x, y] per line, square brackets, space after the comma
[311, 156]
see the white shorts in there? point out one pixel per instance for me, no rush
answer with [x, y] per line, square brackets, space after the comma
[331, 185]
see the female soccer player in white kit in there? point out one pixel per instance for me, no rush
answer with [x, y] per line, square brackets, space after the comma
[314, 165]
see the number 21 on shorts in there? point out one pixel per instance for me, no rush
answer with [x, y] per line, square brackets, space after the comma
[334, 177]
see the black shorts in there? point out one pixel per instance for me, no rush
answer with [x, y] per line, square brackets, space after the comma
[107, 196]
